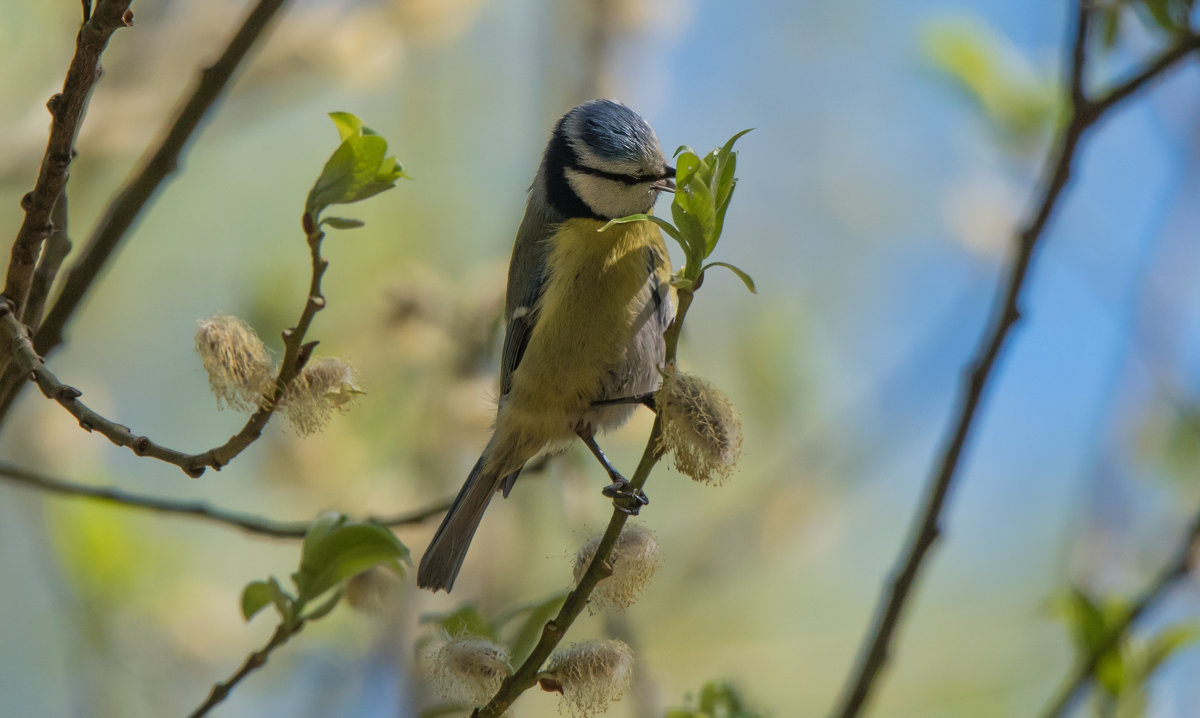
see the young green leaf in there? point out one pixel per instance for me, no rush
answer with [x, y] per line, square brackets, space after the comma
[347, 124]
[740, 274]
[359, 168]
[662, 223]
[257, 594]
[323, 610]
[342, 222]
[341, 552]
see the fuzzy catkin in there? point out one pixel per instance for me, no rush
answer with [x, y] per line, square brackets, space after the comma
[592, 675]
[239, 369]
[325, 385]
[634, 560]
[468, 669]
[700, 427]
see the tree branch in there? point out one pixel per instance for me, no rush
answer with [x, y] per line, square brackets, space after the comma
[1171, 574]
[66, 110]
[926, 528]
[283, 632]
[57, 247]
[248, 523]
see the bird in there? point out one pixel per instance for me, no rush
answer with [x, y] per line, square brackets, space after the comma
[585, 312]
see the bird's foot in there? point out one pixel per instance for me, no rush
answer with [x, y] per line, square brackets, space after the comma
[626, 498]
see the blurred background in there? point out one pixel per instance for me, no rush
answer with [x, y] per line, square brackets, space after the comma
[896, 146]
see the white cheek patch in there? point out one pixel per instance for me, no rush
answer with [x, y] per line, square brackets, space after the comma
[610, 198]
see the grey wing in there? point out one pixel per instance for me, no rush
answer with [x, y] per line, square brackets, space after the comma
[526, 282]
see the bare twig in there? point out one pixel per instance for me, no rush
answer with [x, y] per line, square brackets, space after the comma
[1170, 575]
[66, 110]
[248, 523]
[296, 353]
[58, 246]
[552, 633]
[283, 632]
[1082, 114]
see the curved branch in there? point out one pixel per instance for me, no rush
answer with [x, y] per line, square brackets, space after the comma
[1083, 113]
[66, 109]
[250, 524]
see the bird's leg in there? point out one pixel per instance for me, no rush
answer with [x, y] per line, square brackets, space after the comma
[646, 400]
[625, 497]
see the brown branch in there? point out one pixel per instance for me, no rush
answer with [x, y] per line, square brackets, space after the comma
[296, 353]
[283, 632]
[128, 205]
[66, 110]
[1083, 113]
[250, 524]
[1170, 575]
[58, 246]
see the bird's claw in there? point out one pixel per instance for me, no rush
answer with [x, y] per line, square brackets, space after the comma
[626, 499]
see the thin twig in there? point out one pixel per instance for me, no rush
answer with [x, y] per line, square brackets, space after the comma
[1082, 114]
[245, 522]
[128, 205]
[66, 110]
[296, 353]
[1178, 568]
[552, 633]
[58, 246]
[283, 632]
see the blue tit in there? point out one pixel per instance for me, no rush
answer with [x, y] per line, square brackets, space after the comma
[584, 315]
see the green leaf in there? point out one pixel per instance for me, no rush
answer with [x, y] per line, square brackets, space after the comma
[257, 594]
[727, 149]
[530, 630]
[740, 274]
[342, 222]
[1163, 645]
[338, 552]
[706, 213]
[465, 621]
[691, 233]
[324, 609]
[359, 168]
[347, 124]
[662, 223]
[686, 165]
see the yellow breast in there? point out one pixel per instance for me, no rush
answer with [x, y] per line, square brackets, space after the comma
[596, 288]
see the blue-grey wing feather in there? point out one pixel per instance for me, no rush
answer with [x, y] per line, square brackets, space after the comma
[526, 283]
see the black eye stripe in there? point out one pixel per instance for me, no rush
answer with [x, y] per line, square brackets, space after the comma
[614, 176]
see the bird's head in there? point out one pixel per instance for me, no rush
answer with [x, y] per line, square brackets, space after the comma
[604, 161]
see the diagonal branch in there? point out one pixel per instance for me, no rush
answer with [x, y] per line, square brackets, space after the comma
[283, 633]
[1170, 575]
[248, 523]
[66, 109]
[1082, 114]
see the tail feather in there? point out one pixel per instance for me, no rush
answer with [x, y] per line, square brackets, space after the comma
[444, 557]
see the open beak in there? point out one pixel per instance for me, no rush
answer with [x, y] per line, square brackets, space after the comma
[667, 183]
